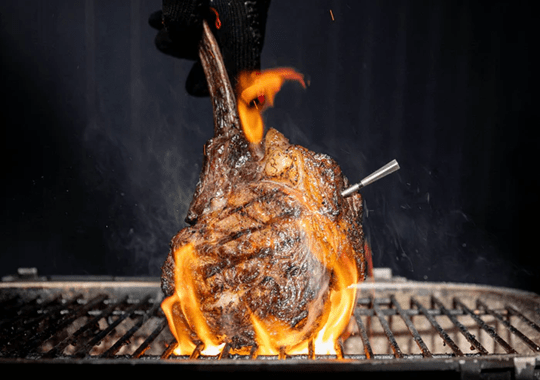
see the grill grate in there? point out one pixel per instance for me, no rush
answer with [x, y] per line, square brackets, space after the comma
[424, 323]
[383, 309]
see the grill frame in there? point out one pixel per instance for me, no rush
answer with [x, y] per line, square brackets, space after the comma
[383, 294]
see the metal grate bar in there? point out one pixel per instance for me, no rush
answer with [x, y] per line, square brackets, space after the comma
[363, 335]
[28, 321]
[83, 351]
[339, 349]
[125, 338]
[513, 311]
[311, 349]
[169, 350]
[533, 346]
[148, 341]
[442, 333]
[58, 325]
[197, 351]
[59, 348]
[387, 330]
[224, 354]
[487, 328]
[435, 301]
[412, 329]
[253, 352]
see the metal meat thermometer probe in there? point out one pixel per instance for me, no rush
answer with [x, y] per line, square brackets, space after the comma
[390, 167]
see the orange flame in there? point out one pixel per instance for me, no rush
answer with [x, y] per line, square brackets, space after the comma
[256, 92]
[273, 335]
[183, 309]
[183, 312]
[189, 312]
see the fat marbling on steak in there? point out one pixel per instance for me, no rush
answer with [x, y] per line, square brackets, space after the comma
[267, 225]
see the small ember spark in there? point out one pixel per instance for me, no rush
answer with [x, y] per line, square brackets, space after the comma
[332, 15]
[218, 21]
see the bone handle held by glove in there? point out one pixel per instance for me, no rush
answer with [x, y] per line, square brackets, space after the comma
[390, 167]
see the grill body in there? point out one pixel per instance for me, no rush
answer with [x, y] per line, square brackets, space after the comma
[448, 329]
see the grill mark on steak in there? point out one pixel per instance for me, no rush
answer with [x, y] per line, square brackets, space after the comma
[239, 234]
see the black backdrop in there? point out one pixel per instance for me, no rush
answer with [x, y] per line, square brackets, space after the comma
[102, 145]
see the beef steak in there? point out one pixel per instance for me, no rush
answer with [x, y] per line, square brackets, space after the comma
[267, 225]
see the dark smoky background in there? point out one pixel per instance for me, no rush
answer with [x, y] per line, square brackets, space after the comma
[103, 146]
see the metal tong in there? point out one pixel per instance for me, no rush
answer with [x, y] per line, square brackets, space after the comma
[389, 168]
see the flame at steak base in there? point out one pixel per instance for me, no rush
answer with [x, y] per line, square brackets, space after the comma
[337, 311]
[183, 308]
[188, 323]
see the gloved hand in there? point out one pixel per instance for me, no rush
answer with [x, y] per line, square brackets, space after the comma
[238, 25]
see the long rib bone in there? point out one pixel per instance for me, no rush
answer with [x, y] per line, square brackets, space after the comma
[229, 144]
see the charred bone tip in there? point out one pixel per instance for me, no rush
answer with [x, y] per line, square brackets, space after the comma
[219, 84]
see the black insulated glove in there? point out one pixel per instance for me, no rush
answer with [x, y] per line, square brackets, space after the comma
[238, 26]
